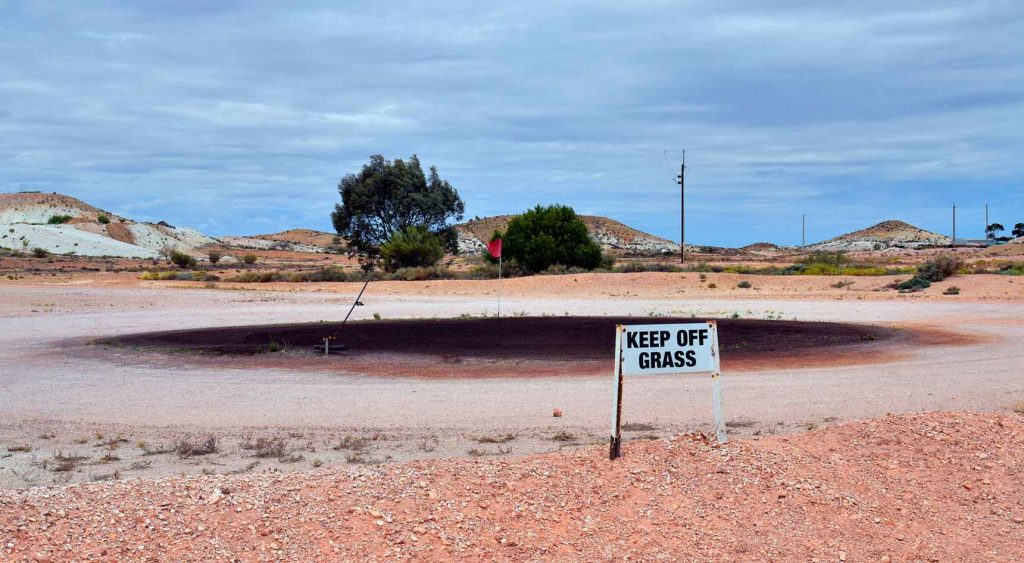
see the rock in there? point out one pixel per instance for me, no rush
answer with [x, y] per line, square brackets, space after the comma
[557, 413]
[41, 558]
[216, 497]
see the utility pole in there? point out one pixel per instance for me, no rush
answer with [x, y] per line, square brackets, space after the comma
[681, 180]
[954, 225]
[803, 231]
[986, 219]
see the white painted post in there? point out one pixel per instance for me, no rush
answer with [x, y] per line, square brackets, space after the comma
[615, 444]
[716, 389]
[327, 347]
[499, 286]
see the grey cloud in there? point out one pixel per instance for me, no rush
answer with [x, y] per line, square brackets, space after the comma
[788, 108]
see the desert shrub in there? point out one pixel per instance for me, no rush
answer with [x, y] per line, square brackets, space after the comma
[1011, 269]
[850, 270]
[421, 274]
[952, 290]
[249, 259]
[914, 284]
[103, 220]
[558, 270]
[213, 256]
[40, 252]
[744, 285]
[488, 271]
[329, 274]
[58, 219]
[826, 258]
[332, 274]
[607, 262]
[550, 235]
[188, 448]
[635, 267]
[939, 268]
[414, 247]
[266, 447]
[182, 260]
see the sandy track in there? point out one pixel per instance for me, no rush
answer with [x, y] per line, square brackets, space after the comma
[45, 391]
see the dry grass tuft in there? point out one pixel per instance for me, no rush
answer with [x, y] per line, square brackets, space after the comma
[265, 447]
[187, 448]
[496, 439]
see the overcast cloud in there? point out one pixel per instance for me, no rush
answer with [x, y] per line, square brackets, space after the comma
[240, 118]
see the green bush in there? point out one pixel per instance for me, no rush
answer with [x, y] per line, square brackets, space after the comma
[558, 270]
[249, 259]
[1011, 269]
[213, 256]
[330, 274]
[489, 271]
[914, 284]
[421, 273]
[58, 219]
[103, 220]
[636, 267]
[952, 290]
[544, 236]
[940, 268]
[40, 252]
[182, 260]
[826, 258]
[414, 247]
[744, 285]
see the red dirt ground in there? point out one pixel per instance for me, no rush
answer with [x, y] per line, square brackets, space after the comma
[918, 487]
[536, 346]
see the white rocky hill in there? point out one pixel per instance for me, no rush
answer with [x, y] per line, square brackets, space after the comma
[887, 234]
[62, 224]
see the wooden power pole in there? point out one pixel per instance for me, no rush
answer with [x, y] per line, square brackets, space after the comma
[681, 180]
[954, 225]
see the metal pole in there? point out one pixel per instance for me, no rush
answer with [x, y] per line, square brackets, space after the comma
[803, 231]
[615, 444]
[716, 389]
[499, 286]
[369, 274]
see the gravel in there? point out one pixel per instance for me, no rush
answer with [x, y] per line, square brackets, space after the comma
[923, 487]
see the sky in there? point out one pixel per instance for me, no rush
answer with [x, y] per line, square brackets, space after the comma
[241, 117]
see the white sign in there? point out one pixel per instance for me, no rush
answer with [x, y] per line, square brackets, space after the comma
[666, 348]
[669, 348]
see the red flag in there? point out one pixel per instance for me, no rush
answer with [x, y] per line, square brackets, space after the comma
[494, 247]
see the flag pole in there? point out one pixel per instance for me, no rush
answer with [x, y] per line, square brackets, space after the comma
[499, 285]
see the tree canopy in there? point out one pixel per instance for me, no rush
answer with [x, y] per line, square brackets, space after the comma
[410, 248]
[993, 230]
[544, 236]
[1018, 230]
[388, 197]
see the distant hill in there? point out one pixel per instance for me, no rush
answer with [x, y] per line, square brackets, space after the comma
[613, 236]
[886, 234]
[24, 225]
[293, 240]
[761, 248]
[308, 237]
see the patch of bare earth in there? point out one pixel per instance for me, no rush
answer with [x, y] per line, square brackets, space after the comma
[920, 487]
